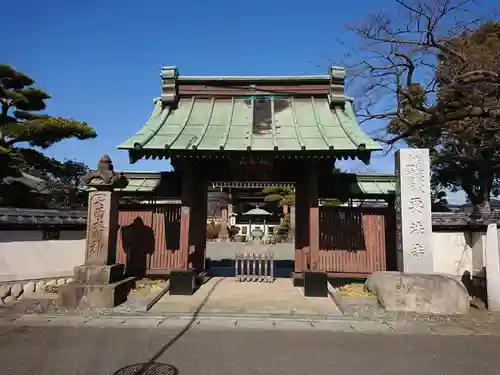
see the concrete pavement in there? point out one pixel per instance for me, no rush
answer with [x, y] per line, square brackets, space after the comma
[96, 351]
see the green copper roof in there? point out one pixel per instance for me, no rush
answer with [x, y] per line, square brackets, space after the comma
[140, 182]
[252, 123]
[372, 188]
[362, 184]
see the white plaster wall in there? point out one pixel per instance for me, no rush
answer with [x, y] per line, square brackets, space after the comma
[23, 255]
[452, 252]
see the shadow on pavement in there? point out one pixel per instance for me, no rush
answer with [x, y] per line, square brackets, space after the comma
[154, 368]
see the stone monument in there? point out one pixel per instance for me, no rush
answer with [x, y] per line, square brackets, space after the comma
[100, 282]
[413, 211]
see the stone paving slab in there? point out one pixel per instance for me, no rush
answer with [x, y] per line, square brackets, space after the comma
[368, 327]
[226, 295]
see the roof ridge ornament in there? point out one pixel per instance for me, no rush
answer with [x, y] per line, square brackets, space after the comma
[170, 90]
[336, 95]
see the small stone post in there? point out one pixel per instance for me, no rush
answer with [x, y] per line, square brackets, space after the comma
[291, 229]
[413, 211]
[223, 232]
[493, 267]
[99, 283]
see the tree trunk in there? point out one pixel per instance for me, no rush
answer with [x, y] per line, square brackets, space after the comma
[482, 206]
[482, 200]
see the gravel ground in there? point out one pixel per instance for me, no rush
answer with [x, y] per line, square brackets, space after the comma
[475, 316]
[140, 296]
[134, 305]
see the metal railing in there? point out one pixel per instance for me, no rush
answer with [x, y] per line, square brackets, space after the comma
[252, 266]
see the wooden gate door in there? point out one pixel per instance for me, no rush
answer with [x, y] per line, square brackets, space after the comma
[355, 241]
[148, 239]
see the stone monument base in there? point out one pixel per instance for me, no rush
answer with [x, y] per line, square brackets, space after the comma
[182, 282]
[96, 286]
[75, 295]
[98, 274]
[315, 284]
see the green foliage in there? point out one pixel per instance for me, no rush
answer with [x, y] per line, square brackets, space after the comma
[213, 229]
[61, 179]
[431, 68]
[282, 230]
[21, 123]
[439, 198]
[332, 202]
[66, 188]
[465, 153]
[280, 195]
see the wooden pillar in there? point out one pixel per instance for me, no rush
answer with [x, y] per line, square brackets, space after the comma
[198, 223]
[301, 223]
[390, 234]
[187, 198]
[313, 211]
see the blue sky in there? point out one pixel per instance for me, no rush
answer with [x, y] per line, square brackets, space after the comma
[100, 60]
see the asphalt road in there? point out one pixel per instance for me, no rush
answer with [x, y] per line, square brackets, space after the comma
[78, 351]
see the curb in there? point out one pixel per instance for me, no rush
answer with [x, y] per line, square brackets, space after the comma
[186, 322]
[212, 316]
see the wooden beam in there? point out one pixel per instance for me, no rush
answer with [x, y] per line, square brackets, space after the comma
[302, 220]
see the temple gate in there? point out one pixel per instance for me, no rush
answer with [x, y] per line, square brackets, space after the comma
[288, 129]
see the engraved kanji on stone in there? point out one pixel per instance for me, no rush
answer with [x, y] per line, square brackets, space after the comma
[416, 174]
[404, 286]
[417, 158]
[416, 227]
[96, 223]
[416, 205]
[417, 251]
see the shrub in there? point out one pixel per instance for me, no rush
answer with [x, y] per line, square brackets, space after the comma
[213, 230]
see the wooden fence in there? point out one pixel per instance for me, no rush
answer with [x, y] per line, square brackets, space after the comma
[356, 241]
[148, 238]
